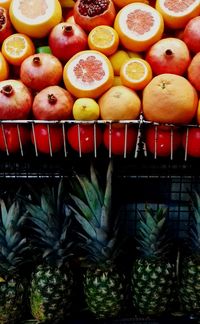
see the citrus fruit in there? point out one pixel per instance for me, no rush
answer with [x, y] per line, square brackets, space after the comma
[135, 73]
[5, 3]
[103, 39]
[117, 59]
[117, 80]
[17, 47]
[169, 98]
[176, 13]
[123, 3]
[35, 19]
[198, 113]
[134, 54]
[85, 109]
[119, 103]
[88, 74]
[4, 68]
[138, 26]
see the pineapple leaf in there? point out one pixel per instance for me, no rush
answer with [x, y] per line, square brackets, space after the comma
[84, 208]
[59, 195]
[4, 213]
[86, 226]
[105, 212]
[96, 185]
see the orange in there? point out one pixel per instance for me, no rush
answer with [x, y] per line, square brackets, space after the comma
[119, 103]
[176, 13]
[103, 39]
[35, 18]
[136, 73]
[123, 3]
[138, 26]
[88, 74]
[17, 47]
[170, 98]
[5, 3]
[4, 68]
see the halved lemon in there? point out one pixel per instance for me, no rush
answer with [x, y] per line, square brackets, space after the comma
[177, 13]
[103, 39]
[4, 68]
[5, 3]
[88, 74]
[136, 73]
[17, 47]
[138, 26]
[35, 18]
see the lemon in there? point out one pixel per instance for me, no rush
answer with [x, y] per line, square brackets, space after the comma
[117, 81]
[134, 54]
[85, 109]
[117, 59]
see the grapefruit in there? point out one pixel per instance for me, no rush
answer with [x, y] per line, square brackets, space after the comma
[88, 74]
[35, 19]
[5, 3]
[119, 103]
[176, 13]
[170, 98]
[193, 71]
[138, 26]
[123, 3]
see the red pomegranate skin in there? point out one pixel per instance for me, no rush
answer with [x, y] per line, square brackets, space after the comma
[169, 55]
[87, 22]
[191, 35]
[41, 70]
[53, 103]
[67, 39]
[15, 100]
[5, 25]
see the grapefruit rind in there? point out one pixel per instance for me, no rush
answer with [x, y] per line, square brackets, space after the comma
[80, 82]
[133, 40]
[33, 26]
[175, 19]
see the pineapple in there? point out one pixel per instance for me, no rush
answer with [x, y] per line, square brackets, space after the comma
[153, 275]
[13, 258]
[190, 267]
[52, 281]
[102, 281]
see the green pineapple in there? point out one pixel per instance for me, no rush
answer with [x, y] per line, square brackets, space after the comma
[13, 258]
[52, 281]
[153, 275]
[102, 281]
[190, 265]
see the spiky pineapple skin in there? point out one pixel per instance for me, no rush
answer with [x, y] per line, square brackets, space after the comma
[50, 293]
[190, 284]
[104, 291]
[152, 286]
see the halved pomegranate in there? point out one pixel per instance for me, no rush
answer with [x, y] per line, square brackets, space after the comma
[5, 25]
[91, 13]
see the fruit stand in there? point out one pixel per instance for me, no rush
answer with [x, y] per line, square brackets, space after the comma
[99, 161]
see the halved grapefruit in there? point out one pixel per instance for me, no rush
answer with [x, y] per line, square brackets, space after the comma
[88, 74]
[176, 13]
[139, 26]
[35, 19]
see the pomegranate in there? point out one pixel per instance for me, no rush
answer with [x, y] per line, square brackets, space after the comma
[191, 35]
[194, 71]
[91, 13]
[41, 70]
[53, 103]
[5, 25]
[15, 100]
[65, 40]
[169, 55]
[12, 137]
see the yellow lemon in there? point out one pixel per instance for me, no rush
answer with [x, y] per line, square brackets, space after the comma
[85, 109]
[134, 54]
[117, 59]
[117, 81]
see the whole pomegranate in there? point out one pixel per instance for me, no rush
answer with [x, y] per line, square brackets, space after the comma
[191, 35]
[53, 103]
[41, 70]
[5, 25]
[15, 100]
[91, 13]
[169, 55]
[67, 39]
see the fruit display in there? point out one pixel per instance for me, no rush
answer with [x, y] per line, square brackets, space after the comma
[110, 55]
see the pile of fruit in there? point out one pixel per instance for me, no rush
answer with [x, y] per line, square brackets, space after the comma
[99, 60]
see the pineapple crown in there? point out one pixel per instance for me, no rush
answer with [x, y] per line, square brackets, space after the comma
[92, 209]
[13, 246]
[49, 220]
[152, 238]
[195, 226]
